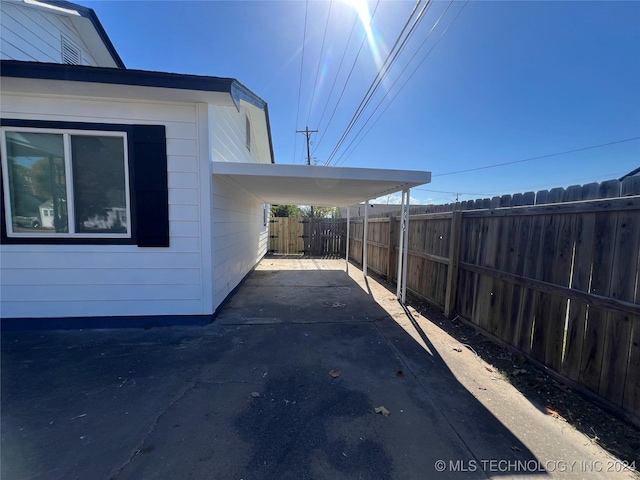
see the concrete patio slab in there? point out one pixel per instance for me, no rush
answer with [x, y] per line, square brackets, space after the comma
[251, 395]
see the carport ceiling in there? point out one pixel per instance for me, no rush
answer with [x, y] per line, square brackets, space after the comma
[313, 185]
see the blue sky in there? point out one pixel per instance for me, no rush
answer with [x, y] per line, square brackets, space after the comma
[494, 82]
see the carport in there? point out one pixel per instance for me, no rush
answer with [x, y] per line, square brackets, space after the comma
[330, 186]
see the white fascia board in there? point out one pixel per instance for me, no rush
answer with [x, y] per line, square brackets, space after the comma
[48, 7]
[110, 90]
[93, 42]
[314, 185]
[414, 177]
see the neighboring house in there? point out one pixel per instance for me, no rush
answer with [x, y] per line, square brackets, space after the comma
[375, 210]
[381, 210]
[132, 197]
[45, 219]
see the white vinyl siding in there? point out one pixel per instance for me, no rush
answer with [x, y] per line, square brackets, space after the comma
[239, 236]
[115, 280]
[32, 34]
[229, 135]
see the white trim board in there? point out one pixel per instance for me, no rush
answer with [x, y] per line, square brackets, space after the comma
[314, 185]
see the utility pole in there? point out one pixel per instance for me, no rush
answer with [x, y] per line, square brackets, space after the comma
[307, 133]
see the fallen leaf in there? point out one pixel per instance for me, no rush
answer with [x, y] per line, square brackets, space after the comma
[399, 373]
[554, 413]
[457, 349]
[335, 373]
[255, 394]
[382, 410]
[489, 369]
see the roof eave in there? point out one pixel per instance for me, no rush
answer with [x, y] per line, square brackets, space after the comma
[90, 15]
[141, 78]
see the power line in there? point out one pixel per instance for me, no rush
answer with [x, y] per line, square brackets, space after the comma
[575, 181]
[304, 40]
[382, 72]
[537, 158]
[335, 79]
[381, 69]
[453, 193]
[315, 82]
[344, 87]
[346, 155]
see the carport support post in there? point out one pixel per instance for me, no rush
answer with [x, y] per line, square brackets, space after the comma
[403, 246]
[347, 246]
[406, 246]
[364, 238]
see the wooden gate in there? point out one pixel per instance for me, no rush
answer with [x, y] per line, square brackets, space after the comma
[311, 236]
[324, 236]
[285, 235]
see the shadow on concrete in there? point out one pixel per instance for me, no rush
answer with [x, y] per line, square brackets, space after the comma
[248, 396]
[287, 435]
[609, 431]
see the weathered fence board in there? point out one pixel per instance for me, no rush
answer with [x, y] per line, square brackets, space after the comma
[618, 327]
[378, 247]
[311, 236]
[631, 399]
[324, 236]
[602, 264]
[554, 274]
[355, 241]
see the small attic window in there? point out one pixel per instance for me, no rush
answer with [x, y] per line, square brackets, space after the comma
[70, 53]
[248, 132]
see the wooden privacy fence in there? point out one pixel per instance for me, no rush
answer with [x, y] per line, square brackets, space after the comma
[310, 236]
[555, 274]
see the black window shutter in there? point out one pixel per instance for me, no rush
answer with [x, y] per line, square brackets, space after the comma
[151, 191]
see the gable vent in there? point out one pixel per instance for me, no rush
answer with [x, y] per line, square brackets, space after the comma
[70, 53]
[248, 132]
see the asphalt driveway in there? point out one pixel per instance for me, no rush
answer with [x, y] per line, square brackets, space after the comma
[283, 385]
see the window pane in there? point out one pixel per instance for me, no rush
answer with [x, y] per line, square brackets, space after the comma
[37, 182]
[99, 184]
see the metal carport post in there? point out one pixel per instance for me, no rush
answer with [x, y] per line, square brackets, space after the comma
[347, 246]
[401, 291]
[364, 237]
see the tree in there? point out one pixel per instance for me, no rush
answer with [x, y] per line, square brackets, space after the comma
[320, 212]
[285, 211]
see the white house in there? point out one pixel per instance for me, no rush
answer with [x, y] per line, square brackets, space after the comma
[54, 32]
[157, 183]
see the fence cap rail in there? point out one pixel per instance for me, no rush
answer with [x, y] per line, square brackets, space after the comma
[582, 206]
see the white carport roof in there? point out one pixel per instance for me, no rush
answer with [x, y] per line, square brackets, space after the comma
[314, 185]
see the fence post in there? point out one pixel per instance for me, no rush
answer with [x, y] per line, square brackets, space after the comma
[454, 259]
[391, 243]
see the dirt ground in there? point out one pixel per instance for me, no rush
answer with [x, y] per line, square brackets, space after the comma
[619, 438]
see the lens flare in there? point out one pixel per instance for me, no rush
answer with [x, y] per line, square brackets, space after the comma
[364, 15]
